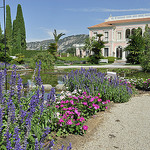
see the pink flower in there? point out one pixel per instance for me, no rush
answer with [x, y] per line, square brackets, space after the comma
[88, 96]
[95, 106]
[78, 113]
[84, 103]
[72, 102]
[70, 108]
[75, 98]
[84, 93]
[69, 122]
[99, 100]
[57, 106]
[99, 94]
[85, 127]
[62, 102]
[77, 124]
[61, 120]
[67, 101]
[64, 108]
[61, 105]
[90, 107]
[82, 119]
[81, 97]
[106, 107]
[108, 101]
[92, 99]
[96, 97]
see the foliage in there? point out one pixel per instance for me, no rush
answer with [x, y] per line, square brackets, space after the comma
[25, 121]
[141, 84]
[110, 59]
[57, 37]
[95, 46]
[94, 82]
[52, 49]
[73, 109]
[20, 58]
[46, 59]
[71, 50]
[3, 59]
[32, 53]
[19, 33]
[145, 59]
[135, 47]
[72, 58]
[9, 30]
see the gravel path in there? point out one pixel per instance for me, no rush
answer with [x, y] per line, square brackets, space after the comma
[125, 127]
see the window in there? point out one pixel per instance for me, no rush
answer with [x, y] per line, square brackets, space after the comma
[119, 36]
[127, 33]
[95, 35]
[106, 36]
[106, 52]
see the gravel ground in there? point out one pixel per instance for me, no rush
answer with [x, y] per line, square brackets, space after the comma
[125, 127]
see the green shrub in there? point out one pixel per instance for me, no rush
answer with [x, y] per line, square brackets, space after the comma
[145, 62]
[110, 59]
[46, 59]
[32, 53]
[2, 57]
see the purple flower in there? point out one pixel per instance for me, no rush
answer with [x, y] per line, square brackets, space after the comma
[69, 147]
[1, 119]
[17, 139]
[8, 136]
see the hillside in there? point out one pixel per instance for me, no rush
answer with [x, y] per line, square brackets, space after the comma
[64, 43]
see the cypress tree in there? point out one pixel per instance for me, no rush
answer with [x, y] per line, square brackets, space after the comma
[8, 29]
[14, 35]
[1, 39]
[19, 31]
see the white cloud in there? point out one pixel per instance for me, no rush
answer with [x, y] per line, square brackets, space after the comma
[108, 10]
[125, 10]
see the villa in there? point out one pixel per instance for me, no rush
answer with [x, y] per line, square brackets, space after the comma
[116, 32]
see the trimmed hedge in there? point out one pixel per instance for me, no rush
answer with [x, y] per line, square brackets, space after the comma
[110, 59]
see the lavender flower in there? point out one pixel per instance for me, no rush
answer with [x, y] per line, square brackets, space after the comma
[36, 144]
[69, 147]
[17, 139]
[1, 119]
[8, 136]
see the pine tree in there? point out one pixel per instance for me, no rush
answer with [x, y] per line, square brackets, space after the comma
[19, 28]
[8, 29]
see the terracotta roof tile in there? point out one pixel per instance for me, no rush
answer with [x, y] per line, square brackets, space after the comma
[113, 23]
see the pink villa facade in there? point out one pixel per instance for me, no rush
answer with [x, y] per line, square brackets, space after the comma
[116, 31]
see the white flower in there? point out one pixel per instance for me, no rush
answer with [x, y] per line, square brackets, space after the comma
[62, 97]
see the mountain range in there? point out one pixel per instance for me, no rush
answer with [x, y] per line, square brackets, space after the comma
[63, 43]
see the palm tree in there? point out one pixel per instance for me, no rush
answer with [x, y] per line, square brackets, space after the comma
[57, 37]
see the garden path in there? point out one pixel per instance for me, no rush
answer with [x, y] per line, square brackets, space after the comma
[100, 66]
[125, 126]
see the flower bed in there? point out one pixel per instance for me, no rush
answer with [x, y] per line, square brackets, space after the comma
[25, 121]
[94, 82]
[141, 84]
[73, 109]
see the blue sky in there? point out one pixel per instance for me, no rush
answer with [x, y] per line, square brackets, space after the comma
[70, 16]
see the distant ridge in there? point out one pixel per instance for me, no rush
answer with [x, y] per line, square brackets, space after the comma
[64, 43]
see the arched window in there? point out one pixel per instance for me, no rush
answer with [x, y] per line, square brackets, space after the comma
[133, 31]
[127, 33]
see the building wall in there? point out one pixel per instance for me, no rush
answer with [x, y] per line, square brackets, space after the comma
[113, 36]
